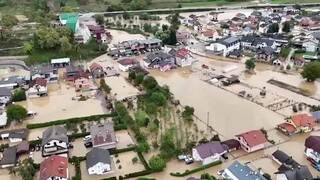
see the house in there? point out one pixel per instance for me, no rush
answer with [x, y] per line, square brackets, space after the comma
[209, 152]
[12, 82]
[38, 88]
[282, 158]
[54, 167]
[287, 128]
[85, 87]
[183, 57]
[159, 60]
[50, 73]
[98, 32]
[238, 171]
[303, 122]
[96, 70]
[103, 136]
[316, 116]
[98, 161]
[54, 141]
[127, 63]
[23, 148]
[224, 46]
[3, 119]
[61, 62]
[231, 144]
[311, 45]
[293, 173]
[266, 54]
[5, 95]
[252, 140]
[74, 72]
[260, 43]
[209, 35]
[15, 135]
[9, 157]
[183, 36]
[312, 150]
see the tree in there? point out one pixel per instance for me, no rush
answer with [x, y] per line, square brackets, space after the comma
[286, 27]
[157, 163]
[143, 146]
[99, 19]
[16, 112]
[174, 21]
[141, 118]
[126, 15]
[19, 95]
[158, 98]
[250, 65]
[8, 21]
[284, 52]
[151, 109]
[27, 169]
[104, 86]
[65, 45]
[132, 75]
[311, 71]
[149, 82]
[27, 48]
[273, 28]
[47, 38]
[188, 113]
[168, 146]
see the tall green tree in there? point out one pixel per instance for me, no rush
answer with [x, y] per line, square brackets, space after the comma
[311, 71]
[168, 146]
[65, 45]
[27, 169]
[8, 21]
[16, 113]
[286, 27]
[250, 64]
[99, 19]
[273, 28]
[157, 163]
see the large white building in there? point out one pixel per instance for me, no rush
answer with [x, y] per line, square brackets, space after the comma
[224, 46]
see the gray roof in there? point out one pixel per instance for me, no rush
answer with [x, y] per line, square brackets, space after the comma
[54, 133]
[102, 133]
[21, 134]
[5, 91]
[228, 40]
[157, 55]
[97, 155]
[244, 172]
[12, 80]
[298, 173]
[209, 149]
[9, 156]
[267, 50]
[268, 42]
[43, 70]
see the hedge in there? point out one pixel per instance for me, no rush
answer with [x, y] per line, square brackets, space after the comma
[188, 172]
[117, 151]
[143, 160]
[139, 173]
[70, 120]
[110, 178]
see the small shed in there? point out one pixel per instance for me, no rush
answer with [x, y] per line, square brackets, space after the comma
[23, 148]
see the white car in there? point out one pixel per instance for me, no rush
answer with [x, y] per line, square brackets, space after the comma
[182, 157]
[87, 138]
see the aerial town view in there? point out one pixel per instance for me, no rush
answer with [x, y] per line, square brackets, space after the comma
[159, 89]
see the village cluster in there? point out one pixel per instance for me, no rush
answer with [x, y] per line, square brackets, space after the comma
[105, 150]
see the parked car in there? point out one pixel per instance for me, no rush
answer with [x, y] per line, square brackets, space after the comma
[88, 144]
[86, 138]
[220, 172]
[182, 157]
[188, 160]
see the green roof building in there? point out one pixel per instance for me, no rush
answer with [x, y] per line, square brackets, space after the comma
[70, 20]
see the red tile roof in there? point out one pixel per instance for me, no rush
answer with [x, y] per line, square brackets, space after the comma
[39, 81]
[303, 120]
[288, 127]
[127, 61]
[208, 33]
[254, 138]
[182, 53]
[95, 66]
[54, 166]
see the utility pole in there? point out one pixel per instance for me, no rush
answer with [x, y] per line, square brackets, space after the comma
[208, 113]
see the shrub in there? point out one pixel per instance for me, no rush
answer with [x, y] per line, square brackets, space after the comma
[19, 95]
[16, 113]
[135, 160]
[188, 172]
[157, 163]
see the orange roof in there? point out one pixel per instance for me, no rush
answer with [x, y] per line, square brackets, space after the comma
[303, 120]
[254, 138]
[288, 127]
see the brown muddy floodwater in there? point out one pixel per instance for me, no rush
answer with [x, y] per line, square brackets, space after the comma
[228, 114]
[59, 105]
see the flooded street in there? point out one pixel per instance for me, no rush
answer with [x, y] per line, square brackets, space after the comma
[59, 105]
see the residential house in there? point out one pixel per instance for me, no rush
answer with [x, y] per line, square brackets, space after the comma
[61, 62]
[266, 54]
[54, 141]
[9, 157]
[224, 46]
[3, 119]
[252, 140]
[238, 171]
[183, 57]
[282, 158]
[23, 148]
[209, 35]
[15, 135]
[260, 43]
[74, 72]
[85, 87]
[311, 45]
[98, 161]
[183, 36]
[49, 73]
[38, 88]
[5, 95]
[209, 152]
[293, 173]
[54, 168]
[247, 41]
[316, 116]
[159, 60]
[96, 70]
[231, 144]
[127, 63]
[312, 150]
[287, 128]
[99, 33]
[12, 82]
[103, 136]
[297, 123]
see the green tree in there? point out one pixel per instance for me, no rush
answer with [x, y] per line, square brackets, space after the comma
[19, 95]
[27, 169]
[16, 113]
[188, 113]
[151, 109]
[126, 15]
[104, 86]
[8, 21]
[285, 52]
[168, 146]
[99, 19]
[139, 79]
[27, 48]
[143, 147]
[250, 64]
[157, 163]
[47, 37]
[311, 71]
[158, 98]
[65, 45]
[141, 118]
[131, 75]
[175, 22]
[286, 27]
[273, 28]
[149, 82]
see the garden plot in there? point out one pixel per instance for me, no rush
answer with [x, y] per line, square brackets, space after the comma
[124, 139]
[121, 88]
